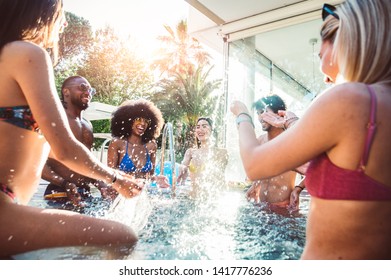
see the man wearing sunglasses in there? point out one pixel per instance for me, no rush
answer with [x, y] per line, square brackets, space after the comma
[66, 186]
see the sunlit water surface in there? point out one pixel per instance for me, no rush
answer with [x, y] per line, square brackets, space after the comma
[220, 226]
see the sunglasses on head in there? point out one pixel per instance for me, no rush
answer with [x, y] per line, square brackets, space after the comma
[329, 10]
[85, 88]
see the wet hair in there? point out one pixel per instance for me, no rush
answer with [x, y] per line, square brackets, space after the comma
[363, 42]
[274, 102]
[328, 30]
[123, 118]
[208, 120]
[28, 20]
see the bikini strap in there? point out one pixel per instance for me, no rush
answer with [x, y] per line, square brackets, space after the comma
[5, 189]
[371, 129]
[126, 150]
[146, 150]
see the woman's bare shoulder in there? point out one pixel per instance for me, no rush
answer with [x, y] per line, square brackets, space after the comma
[189, 151]
[345, 92]
[30, 57]
[152, 145]
[116, 142]
[22, 50]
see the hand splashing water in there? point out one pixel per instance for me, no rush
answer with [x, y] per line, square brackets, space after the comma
[132, 212]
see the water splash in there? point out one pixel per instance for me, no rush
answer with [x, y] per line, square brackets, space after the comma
[131, 212]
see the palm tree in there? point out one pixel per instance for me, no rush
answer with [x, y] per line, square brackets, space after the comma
[179, 51]
[185, 97]
[184, 92]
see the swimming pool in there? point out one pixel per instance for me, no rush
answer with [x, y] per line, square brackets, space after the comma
[224, 227]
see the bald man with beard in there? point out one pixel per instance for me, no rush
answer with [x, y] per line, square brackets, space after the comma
[66, 186]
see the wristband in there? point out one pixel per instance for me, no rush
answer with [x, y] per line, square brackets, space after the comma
[114, 178]
[246, 119]
[243, 113]
[300, 187]
[289, 121]
[64, 183]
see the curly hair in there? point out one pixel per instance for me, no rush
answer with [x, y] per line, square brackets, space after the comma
[123, 118]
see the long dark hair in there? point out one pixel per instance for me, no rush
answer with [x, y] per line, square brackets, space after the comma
[210, 123]
[28, 20]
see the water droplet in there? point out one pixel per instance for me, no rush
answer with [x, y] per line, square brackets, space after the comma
[10, 237]
[54, 124]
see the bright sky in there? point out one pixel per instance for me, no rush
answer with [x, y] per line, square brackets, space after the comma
[143, 20]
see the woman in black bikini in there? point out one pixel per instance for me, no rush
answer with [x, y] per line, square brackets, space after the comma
[32, 125]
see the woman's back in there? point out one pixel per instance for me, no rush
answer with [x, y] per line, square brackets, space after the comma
[359, 213]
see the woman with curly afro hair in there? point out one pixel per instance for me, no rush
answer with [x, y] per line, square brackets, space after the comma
[135, 125]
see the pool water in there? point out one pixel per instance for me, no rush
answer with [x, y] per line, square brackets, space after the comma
[225, 226]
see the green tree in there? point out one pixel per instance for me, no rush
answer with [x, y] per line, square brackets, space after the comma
[185, 91]
[114, 70]
[179, 51]
[185, 97]
[74, 44]
[105, 60]
[76, 38]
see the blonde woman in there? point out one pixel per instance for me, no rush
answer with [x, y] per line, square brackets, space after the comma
[345, 133]
[328, 31]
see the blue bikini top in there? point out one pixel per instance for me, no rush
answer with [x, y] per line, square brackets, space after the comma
[127, 164]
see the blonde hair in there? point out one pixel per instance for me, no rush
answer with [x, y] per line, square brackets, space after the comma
[363, 42]
[329, 28]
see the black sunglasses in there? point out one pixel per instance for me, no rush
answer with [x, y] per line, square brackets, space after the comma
[329, 10]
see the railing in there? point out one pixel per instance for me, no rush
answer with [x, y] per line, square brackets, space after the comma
[106, 142]
[168, 130]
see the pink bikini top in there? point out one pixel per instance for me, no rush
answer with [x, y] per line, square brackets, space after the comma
[326, 180]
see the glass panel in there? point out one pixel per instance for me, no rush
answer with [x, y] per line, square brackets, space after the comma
[284, 62]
